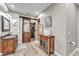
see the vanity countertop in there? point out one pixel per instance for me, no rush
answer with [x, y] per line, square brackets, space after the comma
[1, 35]
[12, 36]
[4, 34]
[8, 37]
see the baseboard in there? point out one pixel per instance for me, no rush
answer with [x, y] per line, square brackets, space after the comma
[73, 52]
[57, 53]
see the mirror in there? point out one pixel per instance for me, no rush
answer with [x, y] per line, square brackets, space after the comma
[5, 24]
[48, 21]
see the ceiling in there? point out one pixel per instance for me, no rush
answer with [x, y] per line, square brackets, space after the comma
[28, 8]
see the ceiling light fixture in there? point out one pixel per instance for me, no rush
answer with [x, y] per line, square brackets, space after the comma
[37, 13]
[9, 15]
[12, 6]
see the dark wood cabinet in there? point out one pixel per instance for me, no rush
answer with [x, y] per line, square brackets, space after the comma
[26, 37]
[8, 45]
[47, 43]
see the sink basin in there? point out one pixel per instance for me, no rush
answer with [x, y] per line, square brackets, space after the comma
[12, 36]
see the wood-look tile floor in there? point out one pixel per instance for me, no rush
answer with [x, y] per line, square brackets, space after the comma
[30, 49]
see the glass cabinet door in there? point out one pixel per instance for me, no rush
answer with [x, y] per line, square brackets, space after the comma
[26, 26]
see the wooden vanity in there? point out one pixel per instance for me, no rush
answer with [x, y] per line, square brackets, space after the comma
[8, 44]
[7, 41]
[47, 43]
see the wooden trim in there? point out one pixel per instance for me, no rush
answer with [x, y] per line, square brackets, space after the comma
[22, 30]
[30, 27]
[28, 18]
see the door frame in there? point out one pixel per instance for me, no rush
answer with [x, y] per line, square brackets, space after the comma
[28, 18]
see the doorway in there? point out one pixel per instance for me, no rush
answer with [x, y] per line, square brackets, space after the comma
[26, 32]
[33, 30]
[29, 31]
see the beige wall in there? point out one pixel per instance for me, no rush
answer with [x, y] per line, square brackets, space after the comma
[71, 30]
[14, 23]
[78, 25]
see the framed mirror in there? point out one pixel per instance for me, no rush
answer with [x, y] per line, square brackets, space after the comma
[48, 21]
[5, 24]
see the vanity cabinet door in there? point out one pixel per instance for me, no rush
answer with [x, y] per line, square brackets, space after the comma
[9, 46]
[12, 45]
[0, 46]
[5, 47]
[26, 37]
